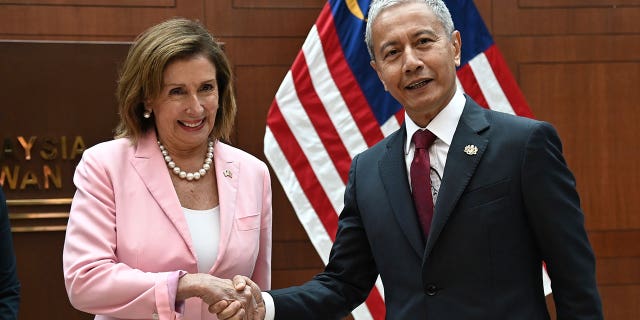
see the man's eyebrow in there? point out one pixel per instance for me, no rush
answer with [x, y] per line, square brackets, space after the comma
[387, 44]
[418, 33]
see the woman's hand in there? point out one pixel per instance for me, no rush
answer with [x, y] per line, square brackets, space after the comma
[256, 310]
[231, 301]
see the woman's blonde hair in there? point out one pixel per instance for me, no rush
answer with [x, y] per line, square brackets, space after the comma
[142, 74]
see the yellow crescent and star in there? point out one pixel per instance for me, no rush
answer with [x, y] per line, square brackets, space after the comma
[354, 7]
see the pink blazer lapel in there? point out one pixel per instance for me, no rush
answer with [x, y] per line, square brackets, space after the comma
[227, 172]
[150, 165]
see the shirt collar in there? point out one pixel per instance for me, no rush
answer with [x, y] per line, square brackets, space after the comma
[443, 125]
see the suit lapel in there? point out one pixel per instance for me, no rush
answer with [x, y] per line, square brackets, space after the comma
[393, 173]
[459, 167]
[151, 167]
[227, 171]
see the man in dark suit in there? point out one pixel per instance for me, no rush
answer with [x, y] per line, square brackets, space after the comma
[9, 285]
[505, 203]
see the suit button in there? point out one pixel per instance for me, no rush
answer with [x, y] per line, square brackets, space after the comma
[431, 289]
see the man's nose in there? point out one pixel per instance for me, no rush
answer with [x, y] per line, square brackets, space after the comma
[412, 61]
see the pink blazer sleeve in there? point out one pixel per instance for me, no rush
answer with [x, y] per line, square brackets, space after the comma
[96, 281]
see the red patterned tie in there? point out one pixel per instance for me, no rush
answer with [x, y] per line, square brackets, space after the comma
[421, 180]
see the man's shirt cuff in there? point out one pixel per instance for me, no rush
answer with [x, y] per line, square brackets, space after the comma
[269, 306]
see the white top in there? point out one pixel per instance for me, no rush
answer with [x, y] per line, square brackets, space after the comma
[204, 227]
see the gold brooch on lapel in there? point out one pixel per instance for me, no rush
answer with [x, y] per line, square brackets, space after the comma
[471, 150]
[227, 173]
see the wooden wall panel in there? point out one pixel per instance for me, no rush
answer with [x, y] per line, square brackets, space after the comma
[93, 3]
[512, 19]
[106, 20]
[567, 49]
[39, 261]
[484, 7]
[621, 302]
[248, 52]
[616, 243]
[578, 3]
[254, 99]
[50, 91]
[47, 100]
[577, 62]
[226, 20]
[588, 109]
[280, 4]
[618, 269]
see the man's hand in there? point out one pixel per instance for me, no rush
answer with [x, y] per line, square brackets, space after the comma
[259, 309]
[254, 310]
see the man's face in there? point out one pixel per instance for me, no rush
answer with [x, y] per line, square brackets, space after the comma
[415, 59]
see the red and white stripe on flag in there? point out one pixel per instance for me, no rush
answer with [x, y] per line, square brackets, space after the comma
[320, 119]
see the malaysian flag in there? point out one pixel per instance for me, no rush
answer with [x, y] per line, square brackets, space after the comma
[331, 106]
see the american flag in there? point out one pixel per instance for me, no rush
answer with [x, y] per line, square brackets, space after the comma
[331, 106]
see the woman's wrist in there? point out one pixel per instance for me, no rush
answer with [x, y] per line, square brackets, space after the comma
[189, 285]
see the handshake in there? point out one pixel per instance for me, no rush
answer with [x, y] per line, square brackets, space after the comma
[237, 299]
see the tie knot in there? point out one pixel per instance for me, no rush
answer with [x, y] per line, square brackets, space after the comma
[423, 139]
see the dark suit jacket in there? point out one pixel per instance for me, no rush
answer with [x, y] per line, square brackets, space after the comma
[9, 285]
[498, 215]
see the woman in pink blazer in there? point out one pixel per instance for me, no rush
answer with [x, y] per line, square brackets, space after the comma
[166, 212]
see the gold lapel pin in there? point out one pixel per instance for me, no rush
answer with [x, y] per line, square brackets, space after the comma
[471, 150]
[227, 173]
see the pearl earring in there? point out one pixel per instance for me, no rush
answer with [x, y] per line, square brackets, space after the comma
[147, 114]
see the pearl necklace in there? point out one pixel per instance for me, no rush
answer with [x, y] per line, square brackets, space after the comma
[189, 176]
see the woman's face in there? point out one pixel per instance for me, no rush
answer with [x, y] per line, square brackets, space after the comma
[185, 110]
